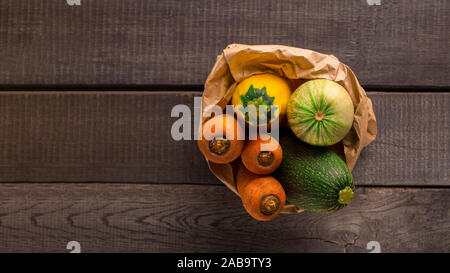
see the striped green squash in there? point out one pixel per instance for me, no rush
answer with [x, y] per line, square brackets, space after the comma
[320, 112]
[314, 178]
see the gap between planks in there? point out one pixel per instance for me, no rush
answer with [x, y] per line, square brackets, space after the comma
[194, 88]
[219, 184]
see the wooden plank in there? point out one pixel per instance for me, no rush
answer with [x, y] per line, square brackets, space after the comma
[125, 137]
[398, 43]
[90, 136]
[413, 142]
[194, 218]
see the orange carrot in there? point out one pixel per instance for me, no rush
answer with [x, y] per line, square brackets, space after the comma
[262, 156]
[263, 198]
[221, 139]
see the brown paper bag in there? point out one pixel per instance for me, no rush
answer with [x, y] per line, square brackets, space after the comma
[238, 62]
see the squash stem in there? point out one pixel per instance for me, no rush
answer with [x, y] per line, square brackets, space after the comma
[319, 116]
[345, 195]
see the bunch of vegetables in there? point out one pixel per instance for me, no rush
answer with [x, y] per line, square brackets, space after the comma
[299, 168]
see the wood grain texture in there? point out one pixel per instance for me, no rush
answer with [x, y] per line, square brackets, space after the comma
[399, 43]
[126, 137]
[194, 218]
[85, 136]
[413, 142]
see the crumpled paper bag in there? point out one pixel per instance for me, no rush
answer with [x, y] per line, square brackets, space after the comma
[239, 61]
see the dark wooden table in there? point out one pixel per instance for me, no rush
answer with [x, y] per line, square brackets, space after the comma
[85, 147]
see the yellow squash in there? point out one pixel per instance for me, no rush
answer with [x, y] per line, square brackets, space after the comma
[262, 90]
